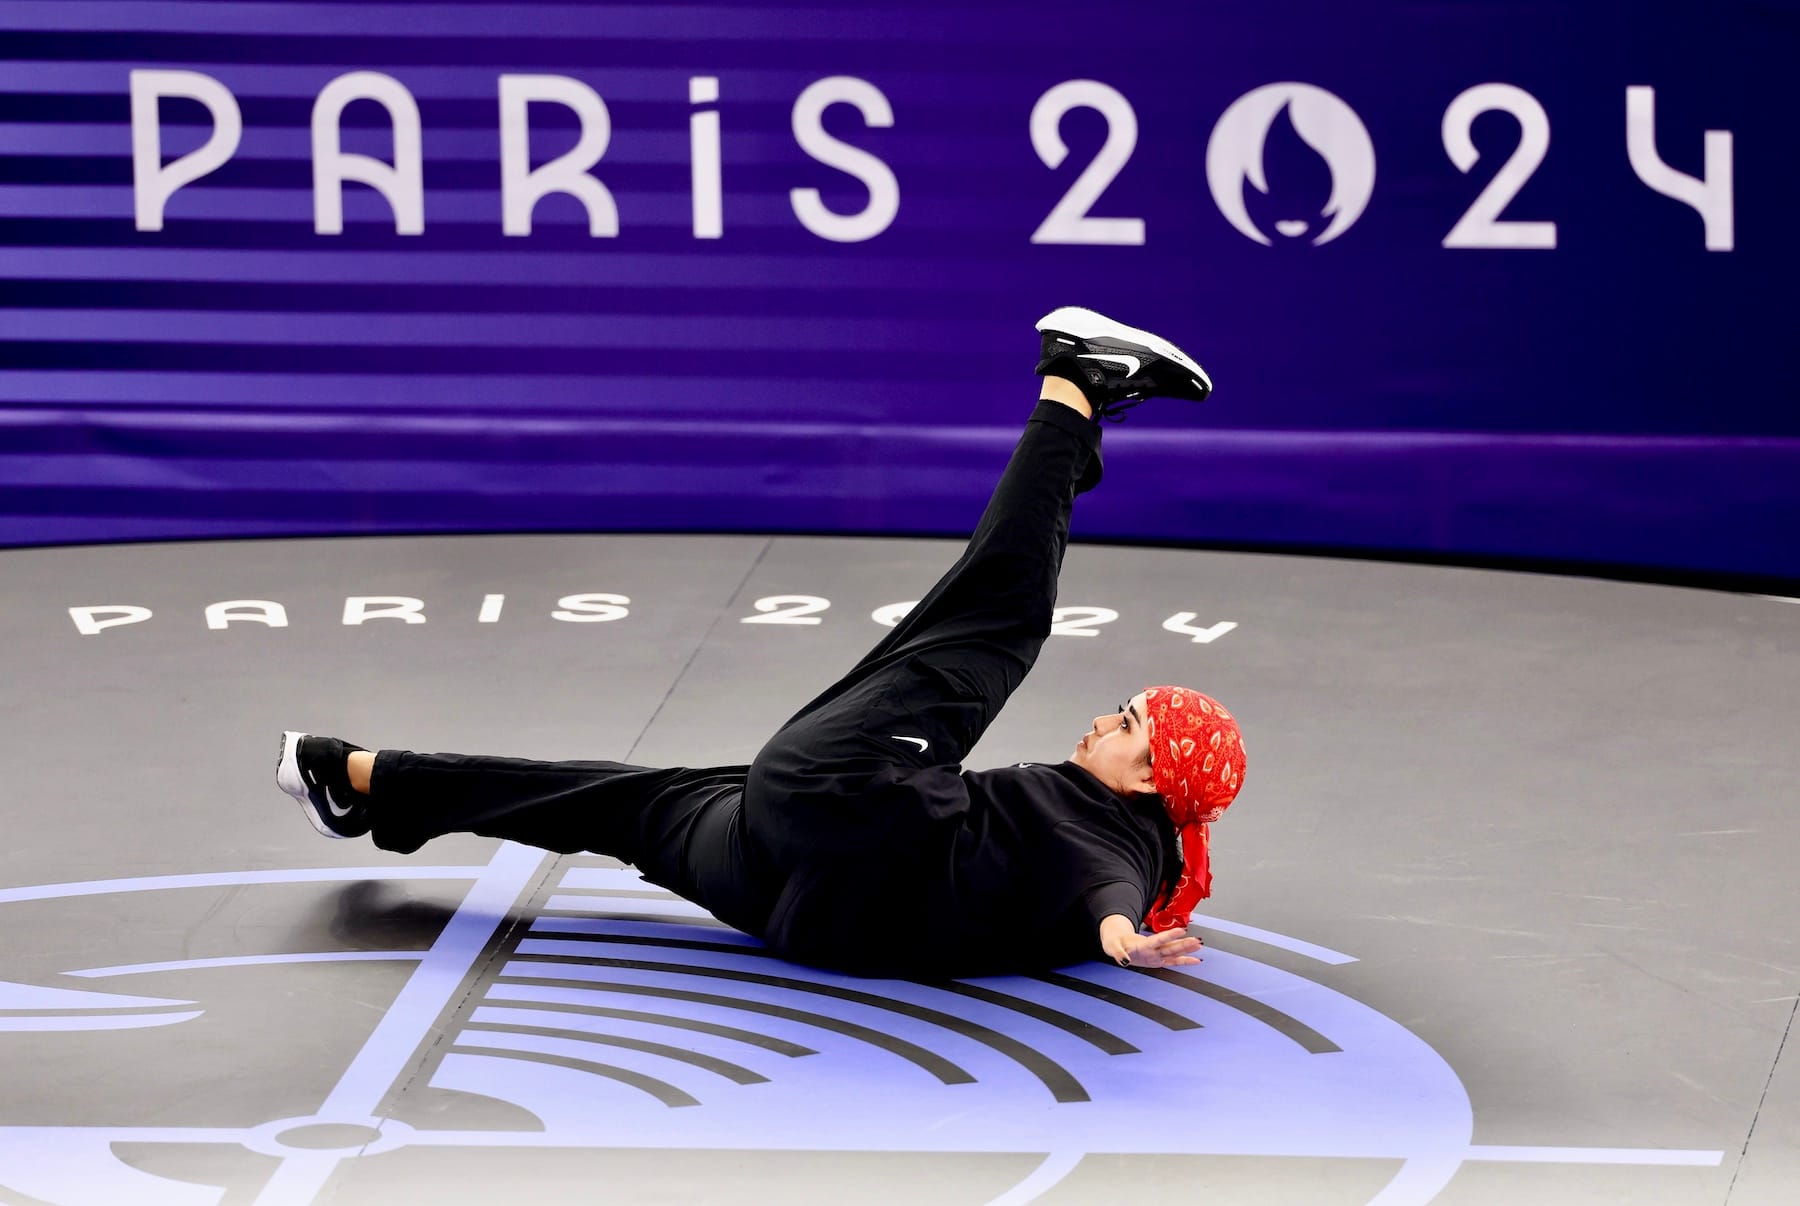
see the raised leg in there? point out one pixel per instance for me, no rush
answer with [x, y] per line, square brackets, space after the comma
[925, 694]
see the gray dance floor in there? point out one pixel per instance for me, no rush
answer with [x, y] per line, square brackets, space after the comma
[1506, 911]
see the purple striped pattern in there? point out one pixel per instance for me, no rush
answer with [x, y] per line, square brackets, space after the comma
[1620, 399]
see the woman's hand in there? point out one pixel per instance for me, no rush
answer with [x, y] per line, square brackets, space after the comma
[1128, 948]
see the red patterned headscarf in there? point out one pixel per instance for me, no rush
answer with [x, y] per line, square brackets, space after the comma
[1197, 760]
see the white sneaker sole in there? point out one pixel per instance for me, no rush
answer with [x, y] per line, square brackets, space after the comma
[287, 777]
[1089, 324]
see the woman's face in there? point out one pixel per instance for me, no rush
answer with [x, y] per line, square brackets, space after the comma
[1116, 750]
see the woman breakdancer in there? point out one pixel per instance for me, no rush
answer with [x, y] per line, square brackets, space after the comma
[855, 840]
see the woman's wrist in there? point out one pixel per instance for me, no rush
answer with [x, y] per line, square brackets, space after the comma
[1116, 931]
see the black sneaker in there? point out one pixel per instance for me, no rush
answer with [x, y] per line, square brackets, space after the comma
[312, 771]
[1116, 366]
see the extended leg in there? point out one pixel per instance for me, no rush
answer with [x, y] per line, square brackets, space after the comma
[925, 694]
[683, 828]
[561, 806]
[991, 610]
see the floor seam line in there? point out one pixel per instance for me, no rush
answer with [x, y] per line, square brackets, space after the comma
[768, 543]
[454, 1008]
[550, 865]
[1760, 1102]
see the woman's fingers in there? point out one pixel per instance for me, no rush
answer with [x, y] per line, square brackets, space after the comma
[1171, 948]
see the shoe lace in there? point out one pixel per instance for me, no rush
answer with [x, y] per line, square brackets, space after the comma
[1114, 412]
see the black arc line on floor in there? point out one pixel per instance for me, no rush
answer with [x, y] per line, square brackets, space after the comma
[730, 1071]
[1082, 1029]
[779, 1046]
[1168, 1019]
[662, 1090]
[945, 1071]
[1268, 1015]
[1059, 1080]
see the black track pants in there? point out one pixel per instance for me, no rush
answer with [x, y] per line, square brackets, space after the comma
[729, 838]
[942, 675]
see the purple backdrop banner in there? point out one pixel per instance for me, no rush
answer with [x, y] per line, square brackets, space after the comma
[1507, 279]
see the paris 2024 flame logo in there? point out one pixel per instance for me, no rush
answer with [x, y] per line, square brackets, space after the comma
[1235, 156]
